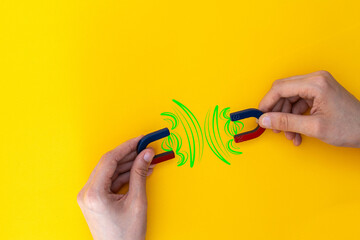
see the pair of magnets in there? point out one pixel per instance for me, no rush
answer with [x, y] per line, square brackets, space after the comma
[235, 116]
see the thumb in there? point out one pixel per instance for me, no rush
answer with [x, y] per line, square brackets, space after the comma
[138, 173]
[288, 122]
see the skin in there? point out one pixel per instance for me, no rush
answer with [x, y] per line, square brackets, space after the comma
[118, 216]
[334, 118]
[334, 113]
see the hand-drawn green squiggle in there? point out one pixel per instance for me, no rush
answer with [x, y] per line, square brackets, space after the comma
[230, 147]
[192, 129]
[194, 134]
[172, 119]
[195, 125]
[173, 142]
[189, 135]
[215, 123]
[231, 128]
[207, 137]
[212, 136]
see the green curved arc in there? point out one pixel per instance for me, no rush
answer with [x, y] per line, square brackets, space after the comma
[195, 137]
[231, 148]
[182, 156]
[231, 128]
[172, 116]
[167, 148]
[227, 128]
[172, 141]
[169, 121]
[210, 141]
[223, 113]
[216, 123]
[179, 140]
[196, 126]
[191, 144]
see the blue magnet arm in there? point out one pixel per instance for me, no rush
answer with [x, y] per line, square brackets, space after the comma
[152, 137]
[251, 112]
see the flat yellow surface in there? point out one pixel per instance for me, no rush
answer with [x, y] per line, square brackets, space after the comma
[80, 77]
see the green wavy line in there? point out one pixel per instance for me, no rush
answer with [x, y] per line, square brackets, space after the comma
[195, 124]
[215, 123]
[173, 119]
[231, 148]
[173, 143]
[207, 136]
[191, 143]
[210, 140]
[223, 113]
[195, 136]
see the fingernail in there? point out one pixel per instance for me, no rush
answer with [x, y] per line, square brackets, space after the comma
[150, 171]
[266, 122]
[148, 157]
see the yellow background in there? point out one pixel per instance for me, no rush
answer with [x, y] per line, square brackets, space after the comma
[80, 77]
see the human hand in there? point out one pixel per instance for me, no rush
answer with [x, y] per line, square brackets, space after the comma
[118, 216]
[334, 113]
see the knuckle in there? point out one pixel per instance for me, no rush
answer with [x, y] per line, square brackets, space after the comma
[283, 122]
[322, 77]
[141, 172]
[79, 197]
[276, 83]
[91, 199]
[318, 128]
[128, 147]
[321, 82]
[323, 73]
[107, 155]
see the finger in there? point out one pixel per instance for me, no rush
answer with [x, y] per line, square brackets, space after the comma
[123, 179]
[293, 99]
[124, 167]
[108, 163]
[138, 173]
[277, 108]
[290, 135]
[307, 125]
[118, 154]
[119, 168]
[300, 107]
[287, 109]
[301, 87]
[297, 140]
[120, 181]
[150, 171]
[128, 158]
